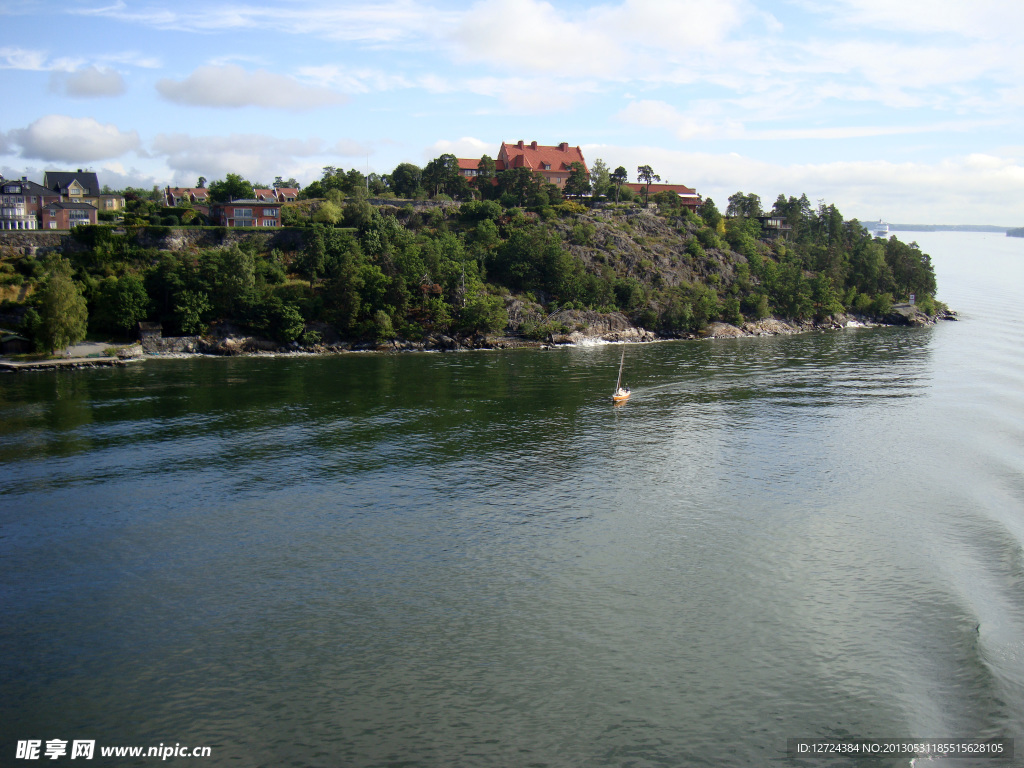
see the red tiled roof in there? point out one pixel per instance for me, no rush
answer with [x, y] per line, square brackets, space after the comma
[468, 163]
[536, 156]
[679, 189]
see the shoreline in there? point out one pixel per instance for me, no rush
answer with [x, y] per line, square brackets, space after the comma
[182, 347]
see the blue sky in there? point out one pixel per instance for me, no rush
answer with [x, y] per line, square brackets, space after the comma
[905, 110]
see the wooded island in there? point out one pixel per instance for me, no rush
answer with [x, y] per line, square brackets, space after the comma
[494, 255]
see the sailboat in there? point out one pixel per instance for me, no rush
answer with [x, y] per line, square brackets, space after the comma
[621, 393]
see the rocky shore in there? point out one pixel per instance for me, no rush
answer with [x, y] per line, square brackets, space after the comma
[581, 327]
[577, 327]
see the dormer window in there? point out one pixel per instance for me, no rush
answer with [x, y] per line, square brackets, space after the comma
[547, 166]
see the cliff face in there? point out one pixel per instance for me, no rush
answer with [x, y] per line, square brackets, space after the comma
[641, 244]
[39, 242]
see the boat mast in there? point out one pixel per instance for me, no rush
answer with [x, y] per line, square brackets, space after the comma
[618, 383]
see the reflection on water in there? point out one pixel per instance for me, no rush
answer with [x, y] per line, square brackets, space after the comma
[476, 559]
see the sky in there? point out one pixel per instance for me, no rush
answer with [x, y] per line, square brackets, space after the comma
[908, 111]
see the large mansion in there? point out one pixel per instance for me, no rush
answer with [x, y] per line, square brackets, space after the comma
[554, 163]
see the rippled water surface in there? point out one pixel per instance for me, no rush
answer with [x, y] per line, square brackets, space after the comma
[476, 560]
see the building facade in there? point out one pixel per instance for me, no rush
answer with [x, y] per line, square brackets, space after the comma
[552, 162]
[61, 215]
[21, 202]
[247, 213]
[687, 196]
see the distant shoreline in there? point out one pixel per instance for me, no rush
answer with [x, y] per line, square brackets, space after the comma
[947, 228]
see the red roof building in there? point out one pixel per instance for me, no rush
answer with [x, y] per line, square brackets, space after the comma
[469, 167]
[689, 196]
[175, 195]
[553, 163]
[277, 194]
[247, 213]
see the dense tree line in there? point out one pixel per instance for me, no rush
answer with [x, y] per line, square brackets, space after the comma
[376, 273]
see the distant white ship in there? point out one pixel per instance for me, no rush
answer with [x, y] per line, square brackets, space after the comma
[881, 229]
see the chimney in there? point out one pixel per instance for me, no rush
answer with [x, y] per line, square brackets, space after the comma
[520, 144]
[564, 146]
[533, 145]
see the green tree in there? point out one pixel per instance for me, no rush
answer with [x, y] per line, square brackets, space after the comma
[442, 176]
[328, 213]
[405, 180]
[600, 178]
[63, 314]
[747, 206]
[190, 310]
[483, 313]
[521, 187]
[710, 213]
[578, 183]
[233, 187]
[618, 178]
[122, 302]
[647, 175]
[486, 176]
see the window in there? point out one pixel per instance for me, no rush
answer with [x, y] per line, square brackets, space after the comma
[270, 222]
[270, 212]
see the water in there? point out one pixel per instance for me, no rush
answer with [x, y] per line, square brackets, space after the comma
[476, 560]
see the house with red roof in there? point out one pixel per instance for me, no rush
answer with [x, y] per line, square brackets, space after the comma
[689, 197]
[469, 167]
[277, 194]
[551, 162]
[175, 195]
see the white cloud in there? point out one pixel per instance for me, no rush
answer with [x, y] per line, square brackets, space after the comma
[533, 35]
[386, 22]
[982, 19]
[970, 189]
[232, 86]
[91, 82]
[350, 148]
[35, 61]
[60, 138]
[255, 156]
[355, 79]
[642, 39]
[467, 146]
[678, 27]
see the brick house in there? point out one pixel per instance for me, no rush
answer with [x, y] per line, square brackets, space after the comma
[551, 162]
[62, 215]
[246, 213]
[21, 202]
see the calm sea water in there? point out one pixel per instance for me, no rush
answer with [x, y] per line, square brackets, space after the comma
[476, 560]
